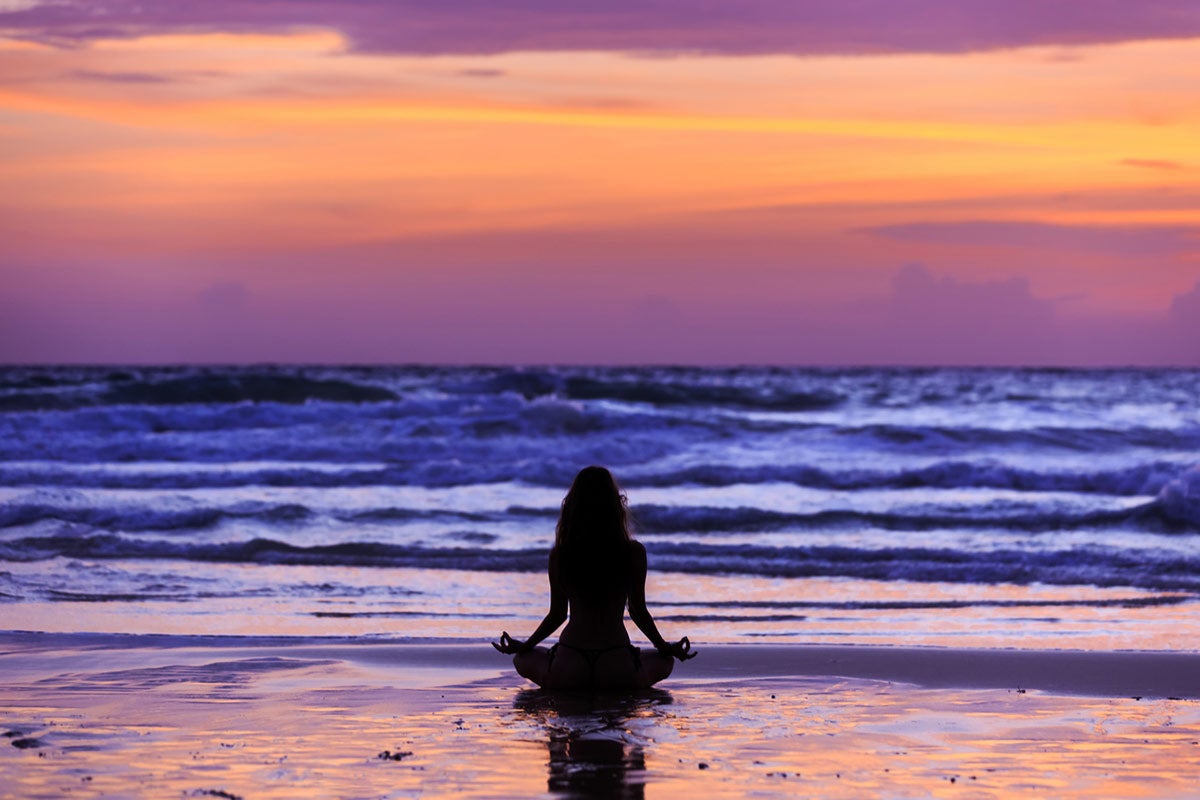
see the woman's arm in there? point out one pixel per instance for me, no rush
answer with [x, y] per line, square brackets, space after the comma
[641, 615]
[556, 616]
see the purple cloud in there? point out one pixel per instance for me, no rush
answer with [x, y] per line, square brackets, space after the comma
[1128, 240]
[943, 320]
[930, 319]
[451, 312]
[1185, 311]
[799, 27]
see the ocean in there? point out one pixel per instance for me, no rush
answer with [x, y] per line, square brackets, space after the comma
[950, 507]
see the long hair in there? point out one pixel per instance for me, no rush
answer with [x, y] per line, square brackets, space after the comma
[592, 536]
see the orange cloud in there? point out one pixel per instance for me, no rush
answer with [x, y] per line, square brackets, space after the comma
[753, 175]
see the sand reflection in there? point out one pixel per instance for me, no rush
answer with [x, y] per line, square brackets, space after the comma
[278, 721]
[595, 743]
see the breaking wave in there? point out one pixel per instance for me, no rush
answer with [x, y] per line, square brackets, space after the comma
[1099, 566]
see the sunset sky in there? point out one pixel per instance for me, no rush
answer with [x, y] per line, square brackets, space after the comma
[750, 181]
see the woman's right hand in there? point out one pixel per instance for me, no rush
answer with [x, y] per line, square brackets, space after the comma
[681, 650]
[508, 645]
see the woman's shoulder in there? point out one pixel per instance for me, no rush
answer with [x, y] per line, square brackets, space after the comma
[637, 550]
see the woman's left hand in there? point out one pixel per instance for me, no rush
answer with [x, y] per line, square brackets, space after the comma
[508, 645]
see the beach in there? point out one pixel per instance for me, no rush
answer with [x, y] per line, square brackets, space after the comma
[157, 716]
[282, 582]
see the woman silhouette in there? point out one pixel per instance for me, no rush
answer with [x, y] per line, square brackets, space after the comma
[596, 567]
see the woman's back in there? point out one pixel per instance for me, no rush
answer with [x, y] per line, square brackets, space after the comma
[597, 588]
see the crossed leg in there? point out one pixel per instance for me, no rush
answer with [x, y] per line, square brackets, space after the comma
[534, 664]
[613, 669]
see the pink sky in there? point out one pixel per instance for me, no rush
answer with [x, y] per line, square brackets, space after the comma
[935, 182]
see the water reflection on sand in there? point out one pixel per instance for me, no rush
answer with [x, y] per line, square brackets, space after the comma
[596, 743]
[307, 721]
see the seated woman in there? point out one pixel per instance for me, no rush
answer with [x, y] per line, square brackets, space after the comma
[596, 567]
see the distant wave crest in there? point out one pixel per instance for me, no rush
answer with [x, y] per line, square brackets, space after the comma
[201, 388]
[662, 388]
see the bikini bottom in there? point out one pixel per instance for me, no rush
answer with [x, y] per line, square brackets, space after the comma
[592, 655]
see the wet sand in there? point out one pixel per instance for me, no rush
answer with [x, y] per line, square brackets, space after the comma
[94, 715]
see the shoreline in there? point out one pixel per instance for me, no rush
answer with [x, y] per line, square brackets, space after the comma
[1151, 673]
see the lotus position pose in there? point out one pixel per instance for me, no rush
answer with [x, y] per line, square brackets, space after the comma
[596, 567]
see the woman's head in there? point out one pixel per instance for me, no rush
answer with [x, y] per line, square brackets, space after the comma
[593, 512]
